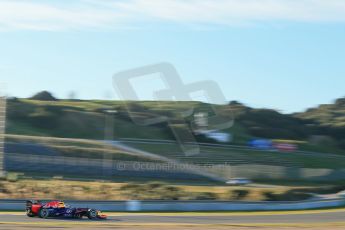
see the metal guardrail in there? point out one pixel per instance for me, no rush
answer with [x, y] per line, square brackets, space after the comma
[160, 206]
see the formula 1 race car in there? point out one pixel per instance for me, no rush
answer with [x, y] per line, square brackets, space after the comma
[60, 209]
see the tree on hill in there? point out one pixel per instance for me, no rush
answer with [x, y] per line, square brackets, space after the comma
[340, 101]
[44, 96]
[235, 103]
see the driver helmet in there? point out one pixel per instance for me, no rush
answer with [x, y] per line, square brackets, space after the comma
[61, 205]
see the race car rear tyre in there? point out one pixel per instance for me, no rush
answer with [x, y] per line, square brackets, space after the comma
[44, 213]
[92, 214]
[29, 213]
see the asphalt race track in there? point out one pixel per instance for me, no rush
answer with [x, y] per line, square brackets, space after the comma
[183, 220]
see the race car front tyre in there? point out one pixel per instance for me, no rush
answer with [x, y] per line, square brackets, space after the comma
[92, 214]
[44, 213]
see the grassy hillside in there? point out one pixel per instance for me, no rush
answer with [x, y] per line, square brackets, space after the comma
[327, 121]
[332, 115]
[87, 119]
[78, 119]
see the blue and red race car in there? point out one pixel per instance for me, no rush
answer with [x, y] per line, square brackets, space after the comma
[60, 209]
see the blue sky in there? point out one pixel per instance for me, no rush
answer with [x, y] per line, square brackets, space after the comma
[287, 55]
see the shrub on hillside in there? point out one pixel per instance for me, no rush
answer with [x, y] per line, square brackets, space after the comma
[44, 96]
[206, 196]
[287, 196]
[239, 194]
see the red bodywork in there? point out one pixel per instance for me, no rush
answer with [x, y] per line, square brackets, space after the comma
[35, 208]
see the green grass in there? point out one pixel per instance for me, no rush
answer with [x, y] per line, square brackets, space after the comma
[211, 155]
[80, 119]
[79, 148]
